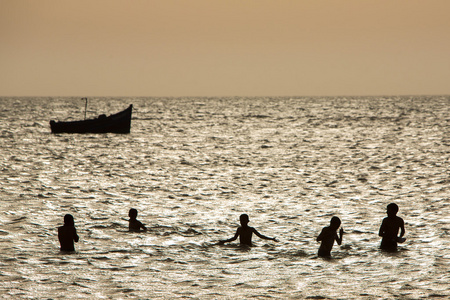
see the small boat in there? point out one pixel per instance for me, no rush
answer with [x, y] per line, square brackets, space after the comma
[116, 123]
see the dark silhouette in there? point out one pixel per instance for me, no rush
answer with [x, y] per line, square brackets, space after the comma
[328, 235]
[115, 123]
[135, 225]
[389, 229]
[245, 232]
[67, 234]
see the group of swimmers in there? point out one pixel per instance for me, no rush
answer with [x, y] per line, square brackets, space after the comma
[389, 231]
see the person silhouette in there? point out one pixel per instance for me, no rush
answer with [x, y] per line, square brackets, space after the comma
[67, 234]
[135, 225]
[245, 232]
[389, 229]
[328, 235]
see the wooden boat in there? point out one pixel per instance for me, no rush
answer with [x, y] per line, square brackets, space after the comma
[116, 123]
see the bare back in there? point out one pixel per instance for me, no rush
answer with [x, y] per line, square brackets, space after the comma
[245, 235]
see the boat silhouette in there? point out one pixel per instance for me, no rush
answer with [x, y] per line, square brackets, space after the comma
[115, 123]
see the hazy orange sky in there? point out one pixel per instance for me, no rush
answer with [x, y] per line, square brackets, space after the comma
[224, 47]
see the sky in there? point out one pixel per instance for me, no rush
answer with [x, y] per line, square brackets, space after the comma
[179, 48]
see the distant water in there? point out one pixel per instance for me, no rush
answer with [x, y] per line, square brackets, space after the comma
[191, 166]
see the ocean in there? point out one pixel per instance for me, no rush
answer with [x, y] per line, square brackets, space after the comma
[191, 166]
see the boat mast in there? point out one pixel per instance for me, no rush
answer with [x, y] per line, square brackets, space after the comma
[85, 107]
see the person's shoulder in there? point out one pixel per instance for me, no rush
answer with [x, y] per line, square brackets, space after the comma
[66, 229]
[399, 219]
[246, 228]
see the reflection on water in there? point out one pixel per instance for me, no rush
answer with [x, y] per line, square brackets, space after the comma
[192, 166]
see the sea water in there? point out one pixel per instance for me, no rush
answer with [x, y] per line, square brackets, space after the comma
[191, 166]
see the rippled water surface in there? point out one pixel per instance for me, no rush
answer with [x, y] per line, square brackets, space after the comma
[192, 166]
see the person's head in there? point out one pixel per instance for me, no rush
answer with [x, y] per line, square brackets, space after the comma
[392, 210]
[132, 213]
[244, 219]
[335, 222]
[68, 220]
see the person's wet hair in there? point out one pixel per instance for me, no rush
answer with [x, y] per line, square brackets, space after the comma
[133, 213]
[392, 208]
[244, 218]
[68, 220]
[335, 222]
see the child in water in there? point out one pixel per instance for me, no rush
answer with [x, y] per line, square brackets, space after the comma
[134, 224]
[389, 229]
[245, 232]
[67, 234]
[328, 235]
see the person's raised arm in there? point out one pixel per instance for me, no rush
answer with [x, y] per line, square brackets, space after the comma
[339, 237]
[381, 232]
[402, 228]
[320, 237]
[233, 238]
[263, 236]
[75, 235]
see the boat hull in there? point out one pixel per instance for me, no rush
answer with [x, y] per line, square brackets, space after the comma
[116, 123]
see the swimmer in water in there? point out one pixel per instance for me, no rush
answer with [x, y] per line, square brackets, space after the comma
[134, 224]
[245, 232]
[328, 235]
[389, 229]
[67, 234]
